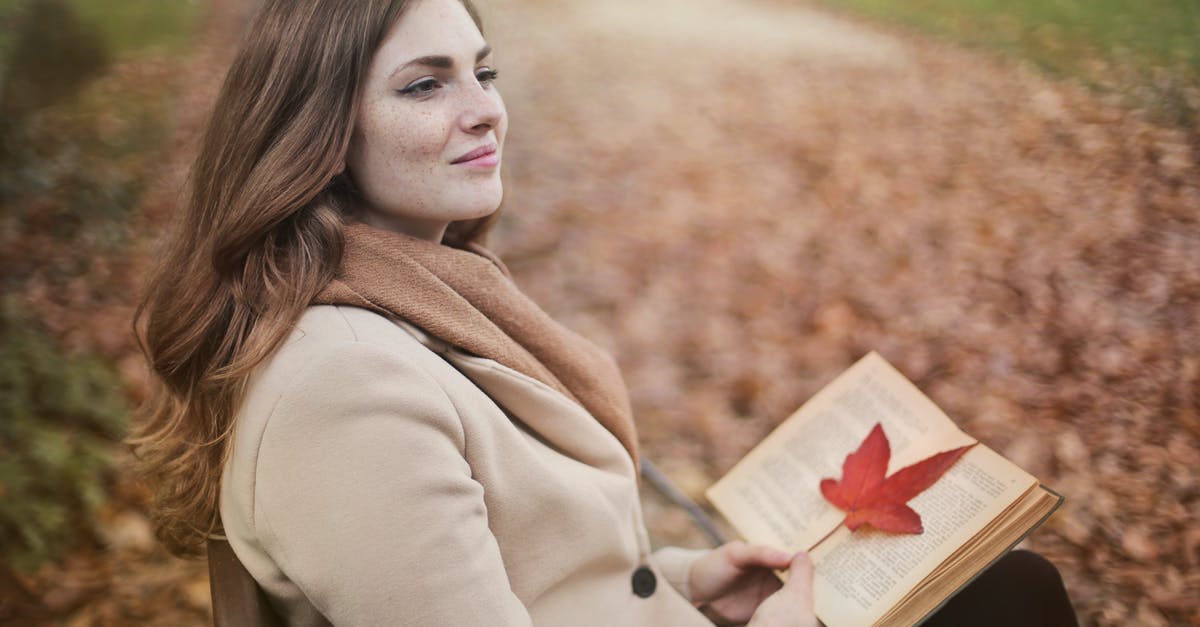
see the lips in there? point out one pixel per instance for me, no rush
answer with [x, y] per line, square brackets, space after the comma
[482, 151]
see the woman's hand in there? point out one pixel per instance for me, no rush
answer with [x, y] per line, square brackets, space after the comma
[792, 605]
[730, 584]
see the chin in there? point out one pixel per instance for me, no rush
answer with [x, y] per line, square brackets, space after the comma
[482, 206]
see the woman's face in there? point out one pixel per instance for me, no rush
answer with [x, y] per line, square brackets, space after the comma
[430, 127]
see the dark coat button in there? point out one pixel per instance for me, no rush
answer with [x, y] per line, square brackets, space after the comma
[644, 582]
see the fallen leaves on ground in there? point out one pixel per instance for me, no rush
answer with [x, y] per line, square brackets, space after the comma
[741, 200]
[740, 215]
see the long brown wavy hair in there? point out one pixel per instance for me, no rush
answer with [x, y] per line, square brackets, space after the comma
[258, 237]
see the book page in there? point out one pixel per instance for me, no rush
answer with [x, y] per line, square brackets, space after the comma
[860, 576]
[773, 496]
[996, 539]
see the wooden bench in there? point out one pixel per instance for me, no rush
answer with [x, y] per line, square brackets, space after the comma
[237, 601]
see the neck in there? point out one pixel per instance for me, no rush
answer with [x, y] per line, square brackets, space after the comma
[429, 230]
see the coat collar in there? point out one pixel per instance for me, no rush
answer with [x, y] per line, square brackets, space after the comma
[544, 410]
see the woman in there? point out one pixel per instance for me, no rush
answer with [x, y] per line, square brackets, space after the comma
[354, 393]
[385, 429]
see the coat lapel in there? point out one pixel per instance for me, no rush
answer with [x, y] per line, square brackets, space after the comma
[561, 422]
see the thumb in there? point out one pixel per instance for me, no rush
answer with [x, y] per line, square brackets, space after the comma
[791, 605]
[800, 575]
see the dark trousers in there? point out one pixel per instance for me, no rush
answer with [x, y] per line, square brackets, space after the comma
[1023, 589]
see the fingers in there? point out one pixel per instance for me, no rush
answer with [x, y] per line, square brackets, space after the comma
[792, 605]
[799, 583]
[751, 555]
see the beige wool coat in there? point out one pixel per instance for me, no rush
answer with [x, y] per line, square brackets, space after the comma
[375, 480]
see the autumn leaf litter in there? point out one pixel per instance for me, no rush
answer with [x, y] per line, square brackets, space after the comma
[740, 214]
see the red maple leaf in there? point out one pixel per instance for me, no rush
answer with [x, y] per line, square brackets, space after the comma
[870, 499]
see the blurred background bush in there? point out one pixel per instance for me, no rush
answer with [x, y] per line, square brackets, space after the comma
[85, 105]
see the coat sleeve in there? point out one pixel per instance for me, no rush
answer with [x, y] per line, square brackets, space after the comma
[676, 565]
[365, 501]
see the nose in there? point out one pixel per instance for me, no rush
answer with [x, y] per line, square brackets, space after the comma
[483, 109]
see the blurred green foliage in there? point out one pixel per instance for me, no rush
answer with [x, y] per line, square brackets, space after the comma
[133, 26]
[76, 132]
[61, 416]
[1149, 50]
[49, 55]
[124, 26]
[84, 109]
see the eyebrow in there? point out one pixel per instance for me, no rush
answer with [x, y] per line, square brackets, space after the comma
[441, 61]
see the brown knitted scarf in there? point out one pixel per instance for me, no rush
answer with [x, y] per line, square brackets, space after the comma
[466, 298]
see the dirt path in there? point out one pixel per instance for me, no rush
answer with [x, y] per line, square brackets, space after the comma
[740, 198]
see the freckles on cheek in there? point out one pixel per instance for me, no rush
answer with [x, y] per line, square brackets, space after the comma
[414, 144]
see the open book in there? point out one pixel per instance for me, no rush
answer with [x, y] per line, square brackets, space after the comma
[977, 511]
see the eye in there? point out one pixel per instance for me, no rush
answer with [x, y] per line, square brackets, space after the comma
[422, 87]
[486, 75]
